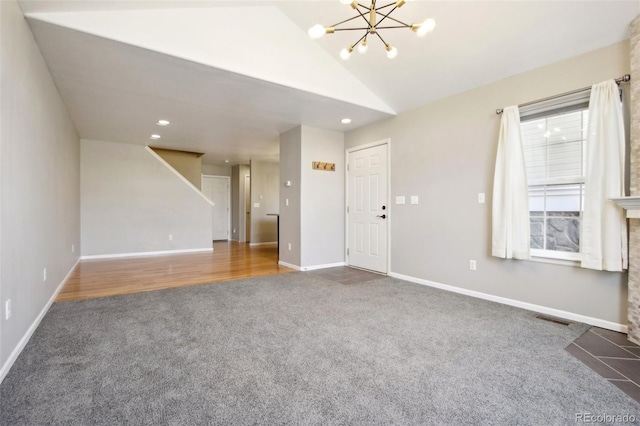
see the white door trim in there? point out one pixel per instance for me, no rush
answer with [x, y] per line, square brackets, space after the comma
[348, 151]
[228, 179]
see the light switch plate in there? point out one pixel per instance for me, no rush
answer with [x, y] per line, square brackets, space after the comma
[287, 183]
[414, 199]
[400, 199]
[481, 197]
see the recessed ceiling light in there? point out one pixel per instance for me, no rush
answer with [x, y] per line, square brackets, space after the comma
[346, 120]
[163, 123]
[154, 137]
[226, 161]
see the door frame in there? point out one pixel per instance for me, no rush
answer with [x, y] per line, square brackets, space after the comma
[348, 152]
[246, 207]
[228, 179]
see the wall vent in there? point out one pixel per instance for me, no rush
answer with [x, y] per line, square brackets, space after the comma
[552, 319]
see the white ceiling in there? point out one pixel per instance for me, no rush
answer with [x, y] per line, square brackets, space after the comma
[232, 75]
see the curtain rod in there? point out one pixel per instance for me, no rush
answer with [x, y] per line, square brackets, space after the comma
[624, 79]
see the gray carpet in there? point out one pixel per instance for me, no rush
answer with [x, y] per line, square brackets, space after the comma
[299, 349]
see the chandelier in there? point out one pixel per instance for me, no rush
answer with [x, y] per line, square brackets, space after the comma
[370, 15]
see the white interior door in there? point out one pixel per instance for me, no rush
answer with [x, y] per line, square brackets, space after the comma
[368, 211]
[217, 189]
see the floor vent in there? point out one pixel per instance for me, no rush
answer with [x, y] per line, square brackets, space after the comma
[552, 319]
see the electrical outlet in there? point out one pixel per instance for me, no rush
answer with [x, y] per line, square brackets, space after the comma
[73, 248]
[414, 199]
[44, 274]
[7, 309]
[234, 230]
[170, 237]
[481, 197]
[256, 205]
[400, 199]
[286, 202]
[289, 246]
[472, 265]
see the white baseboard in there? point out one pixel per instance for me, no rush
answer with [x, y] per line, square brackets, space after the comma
[327, 265]
[289, 265]
[518, 304]
[25, 339]
[263, 244]
[311, 268]
[146, 253]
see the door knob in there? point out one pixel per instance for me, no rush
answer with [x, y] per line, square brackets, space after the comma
[384, 216]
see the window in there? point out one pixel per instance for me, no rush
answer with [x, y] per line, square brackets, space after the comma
[554, 148]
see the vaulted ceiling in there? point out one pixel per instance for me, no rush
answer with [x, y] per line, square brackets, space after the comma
[232, 75]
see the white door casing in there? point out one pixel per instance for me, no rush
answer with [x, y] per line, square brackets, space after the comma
[217, 189]
[247, 208]
[368, 207]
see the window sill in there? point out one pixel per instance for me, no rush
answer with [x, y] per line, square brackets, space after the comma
[556, 258]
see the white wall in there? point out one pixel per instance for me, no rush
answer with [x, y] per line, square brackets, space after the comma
[445, 153]
[131, 203]
[264, 191]
[322, 198]
[39, 185]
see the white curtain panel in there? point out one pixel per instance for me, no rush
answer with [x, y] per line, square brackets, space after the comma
[603, 241]
[511, 229]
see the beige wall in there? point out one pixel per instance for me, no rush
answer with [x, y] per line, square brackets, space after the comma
[313, 221]
[445, 152]
[188, 164]
[39, 184]
[215, 170]
[290, 216]
[322, 198]
[131, 203]
[264, 191]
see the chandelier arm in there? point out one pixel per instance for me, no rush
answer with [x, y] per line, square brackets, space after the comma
[393, 27]
[361, 38]
[393, 19]
[385, 6]
[351, 29]
[363, 17]
[381, 39]
[385, 16]
[346, 20]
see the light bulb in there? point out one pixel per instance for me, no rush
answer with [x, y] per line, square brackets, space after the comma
[392, 52]
[345, 53]
[317, 31]
[362, 47]
[426, 27]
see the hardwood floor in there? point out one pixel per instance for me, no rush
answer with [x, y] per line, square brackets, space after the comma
[229, 261]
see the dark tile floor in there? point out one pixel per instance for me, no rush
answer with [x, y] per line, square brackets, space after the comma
[612, 356]
[346, 275]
